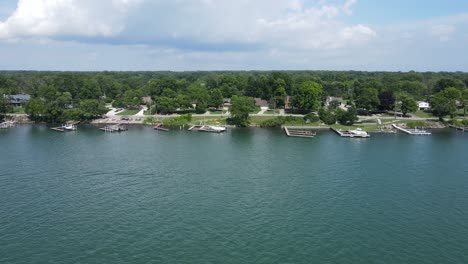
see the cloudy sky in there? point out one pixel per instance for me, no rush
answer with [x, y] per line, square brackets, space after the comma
[397, 35]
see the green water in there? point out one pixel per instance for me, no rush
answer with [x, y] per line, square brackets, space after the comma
[246, 196]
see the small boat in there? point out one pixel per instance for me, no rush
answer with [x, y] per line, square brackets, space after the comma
[358, 132]
[208, 128]
[69, 127]
[114, 128]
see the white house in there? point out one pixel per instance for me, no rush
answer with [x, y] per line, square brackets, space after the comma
[422, 105]
[330, 99]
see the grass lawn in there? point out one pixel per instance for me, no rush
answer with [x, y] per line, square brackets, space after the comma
[18, 110]
[271, 112]
[128, 112]
[217, 112]
[423, 114]
[255, 110]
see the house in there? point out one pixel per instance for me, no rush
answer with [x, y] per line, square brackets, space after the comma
[146, 100]
[261, 103]
[330, 99]
[227, 102]
[17, 99]
[423, 105]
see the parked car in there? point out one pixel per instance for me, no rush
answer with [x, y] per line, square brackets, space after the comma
[126, 118]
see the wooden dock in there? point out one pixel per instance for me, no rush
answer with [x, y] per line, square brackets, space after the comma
[463, 129]
[114, 128]
[7, 124]
[159, 127]
[303, 132]
[414, 132]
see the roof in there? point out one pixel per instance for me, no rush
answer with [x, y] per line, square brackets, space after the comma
[332, 98]
[18, 96]
[227, 100]
[260, 102]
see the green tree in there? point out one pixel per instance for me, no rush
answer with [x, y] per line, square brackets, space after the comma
[36, 109]
[327, 116]
[347, 117]
[91, 108]
[5, 107]
[408, 105]
[387, 101]
[166, 104]
[216, 98]
[240, 109]
[368, 99]
[307, 97]
[445, 102]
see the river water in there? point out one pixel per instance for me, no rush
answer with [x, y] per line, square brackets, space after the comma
[246, 196]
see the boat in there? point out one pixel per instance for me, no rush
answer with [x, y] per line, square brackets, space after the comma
[358, 132]
[214, 129]
[355, 133]
[69, 127]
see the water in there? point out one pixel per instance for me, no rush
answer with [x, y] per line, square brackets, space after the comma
[247, 196]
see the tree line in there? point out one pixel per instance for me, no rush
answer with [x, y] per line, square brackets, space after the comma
[58, 96]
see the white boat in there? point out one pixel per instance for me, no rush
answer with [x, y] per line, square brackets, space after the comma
[7, 124]
[356, 133]
[69, 127]
[215, 129]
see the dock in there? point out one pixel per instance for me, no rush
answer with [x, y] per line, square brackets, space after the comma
[358, 133]
[415, 131]
[68, 127]
[303, 132]
[463, 129]
[159, 127]
[7, 124]
[114, 128]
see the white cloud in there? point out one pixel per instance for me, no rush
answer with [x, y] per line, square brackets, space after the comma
[45, 18]
[443, 32]
[275, 24]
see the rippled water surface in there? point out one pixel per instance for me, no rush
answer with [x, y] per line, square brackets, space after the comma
[246, 196]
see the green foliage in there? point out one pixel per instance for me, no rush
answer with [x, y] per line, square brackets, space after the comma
[5, 107]
[216, 98]
[280, 121]
[311, 118]
[444, 102]
[408, 105]
[308, 97]
[240, 109]
[177, 121]
[387, 101]
[327, 116]
[416, 123]
[368, 99]
[346, 117]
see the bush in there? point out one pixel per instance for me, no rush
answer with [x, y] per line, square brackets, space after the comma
[311, 118]
[328, 117]
[416, 123]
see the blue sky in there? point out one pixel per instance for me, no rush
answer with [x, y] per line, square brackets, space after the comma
[234, 35]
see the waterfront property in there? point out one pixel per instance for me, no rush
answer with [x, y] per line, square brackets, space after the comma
[17, 100]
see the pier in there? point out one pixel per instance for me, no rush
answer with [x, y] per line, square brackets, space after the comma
[114, 128]
[462, 129]
[7, 124]
[159, 127]
[303, 132]
[415, 131]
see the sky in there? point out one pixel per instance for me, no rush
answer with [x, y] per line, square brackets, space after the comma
[192, 35]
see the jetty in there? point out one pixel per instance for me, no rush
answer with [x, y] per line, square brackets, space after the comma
[303, 132]
[412, 131]
[7, 124]
[357, 133]
[114, 128]
[160, 127]
[463, 129]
